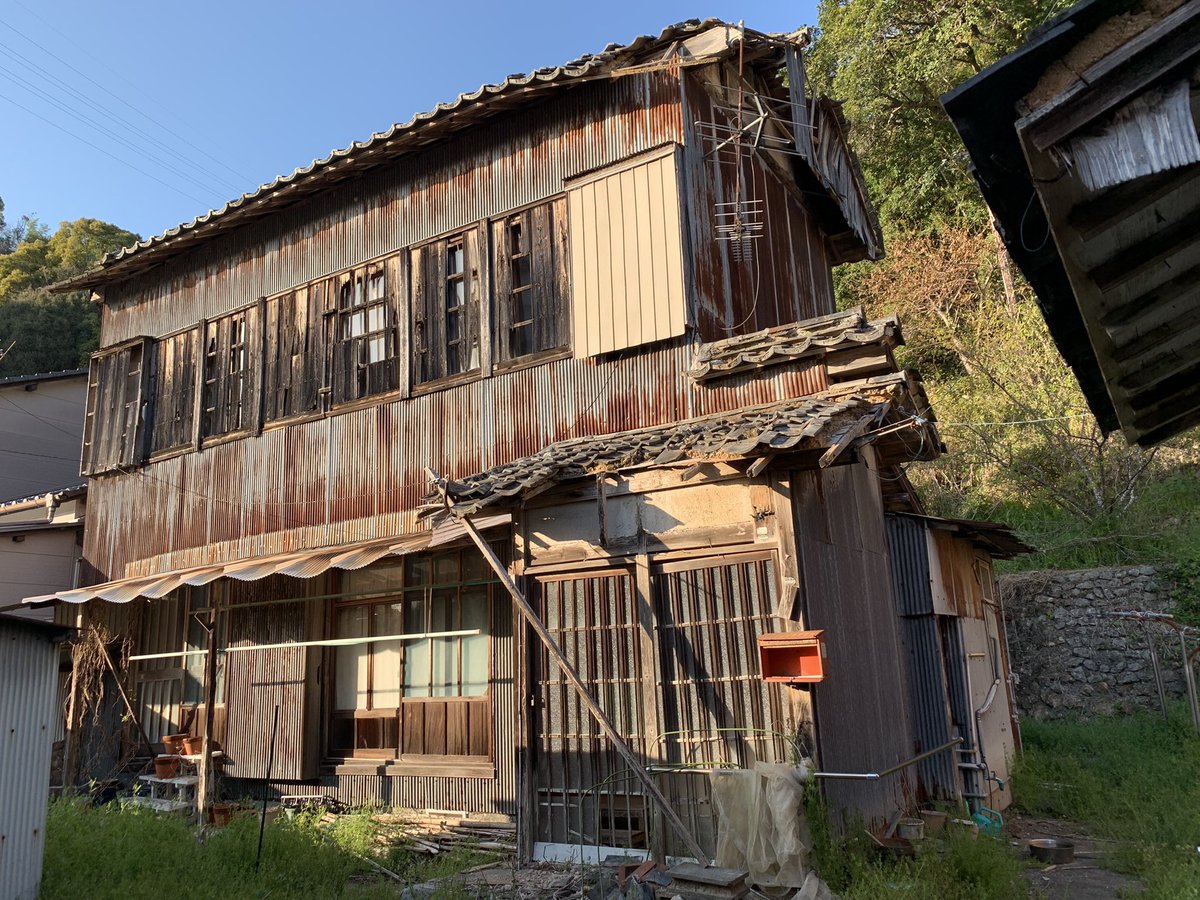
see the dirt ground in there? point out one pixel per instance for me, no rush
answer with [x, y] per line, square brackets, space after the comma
[1084, 879]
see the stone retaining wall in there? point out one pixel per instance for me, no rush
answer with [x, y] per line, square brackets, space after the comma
[1071, 660]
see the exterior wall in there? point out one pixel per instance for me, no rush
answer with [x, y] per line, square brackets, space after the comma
[28, 716]
[1070, 660]
[41, 427]
[863, 718]
[789, 275]
[37, 561]
[357, 472]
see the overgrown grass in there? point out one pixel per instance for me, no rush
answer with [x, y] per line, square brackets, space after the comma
[960, 867]
[1162, 526]
[1133, 780]
[108, 852]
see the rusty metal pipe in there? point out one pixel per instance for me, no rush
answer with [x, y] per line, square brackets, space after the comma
[875, 776]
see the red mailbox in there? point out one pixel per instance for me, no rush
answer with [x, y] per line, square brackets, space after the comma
[792, 656]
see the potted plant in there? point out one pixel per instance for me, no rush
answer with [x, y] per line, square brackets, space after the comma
[166, 766]
[220, 813]
[173, 743]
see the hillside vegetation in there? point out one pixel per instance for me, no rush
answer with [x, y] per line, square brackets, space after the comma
[1024, 448]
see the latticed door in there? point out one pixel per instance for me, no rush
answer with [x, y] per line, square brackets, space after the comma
[585, 793]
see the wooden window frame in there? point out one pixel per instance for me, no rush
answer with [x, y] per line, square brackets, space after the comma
[128, 447]
[355, 374]
[432, 346]
[230, 386]
[532, 267]
[401, 595]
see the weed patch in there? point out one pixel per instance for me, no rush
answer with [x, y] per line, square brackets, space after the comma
[130, 854]
[1133, 780]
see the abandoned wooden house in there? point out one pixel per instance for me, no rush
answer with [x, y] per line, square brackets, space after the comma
[597, 301]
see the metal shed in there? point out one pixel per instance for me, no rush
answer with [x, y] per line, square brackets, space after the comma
[28, 714]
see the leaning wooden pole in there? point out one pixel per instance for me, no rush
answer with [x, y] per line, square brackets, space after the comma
[606, 725]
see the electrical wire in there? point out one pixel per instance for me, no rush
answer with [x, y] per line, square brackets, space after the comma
[100, 149]
[28, 86]
[117, 94]
[102, 110]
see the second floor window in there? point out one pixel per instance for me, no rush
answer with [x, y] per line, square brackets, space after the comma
[227, 376]
[366, 336]
[445, 298]
[531, 282]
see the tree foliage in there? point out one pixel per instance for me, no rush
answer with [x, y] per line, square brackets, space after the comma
[41, 331]
[971, 323]
[890, 61]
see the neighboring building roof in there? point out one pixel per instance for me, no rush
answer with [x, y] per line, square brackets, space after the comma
[1000, 541]
[42, 376]
[66, 493]
[829, 420]
[1087, 159]
[420, 130]
[51, 630]
[786, 343]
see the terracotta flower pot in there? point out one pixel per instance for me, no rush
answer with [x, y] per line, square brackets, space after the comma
[166, 766]
[193, 745]
[220, 813]
[173, 743]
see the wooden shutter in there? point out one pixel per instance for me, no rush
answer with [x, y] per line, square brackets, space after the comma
[626, 249]
[113, 428]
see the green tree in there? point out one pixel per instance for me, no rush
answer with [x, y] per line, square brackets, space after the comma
[971, 322]
[41, 331]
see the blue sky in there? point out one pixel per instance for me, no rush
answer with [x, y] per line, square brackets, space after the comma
[147, 114]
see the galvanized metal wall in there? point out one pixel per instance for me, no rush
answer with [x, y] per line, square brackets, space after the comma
[863, 722]
[908, 542]
[516, 158]
[28, 723]
[259, 681]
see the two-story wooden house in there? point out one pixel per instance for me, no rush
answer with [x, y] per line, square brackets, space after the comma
[597, 298]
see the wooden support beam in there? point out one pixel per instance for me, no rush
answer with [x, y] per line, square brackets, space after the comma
[204, 790]
[125, 697]
[830, 456]
[555, 652]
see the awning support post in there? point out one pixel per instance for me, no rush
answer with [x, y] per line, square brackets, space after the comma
[535, 622]
[204, 789]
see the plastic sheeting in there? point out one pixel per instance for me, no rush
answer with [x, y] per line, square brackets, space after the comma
[761, 823]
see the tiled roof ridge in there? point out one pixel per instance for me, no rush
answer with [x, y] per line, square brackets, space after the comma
[784, 343]
[577, 68]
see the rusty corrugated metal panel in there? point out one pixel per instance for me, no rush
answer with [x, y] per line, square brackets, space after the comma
[786, 277]
[259, 681]
[28, 722]
[508, 162]
[359, 474]
[908, 546]
[862, 709]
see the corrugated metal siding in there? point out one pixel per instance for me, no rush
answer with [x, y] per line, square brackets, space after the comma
[515, 159]
[358, 475]
[28, 714]
[788, 276]
[908, 545]
[626, 257]
[863, 722]
[259, 681]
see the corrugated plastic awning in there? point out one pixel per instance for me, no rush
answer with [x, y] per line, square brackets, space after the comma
[299, 564]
